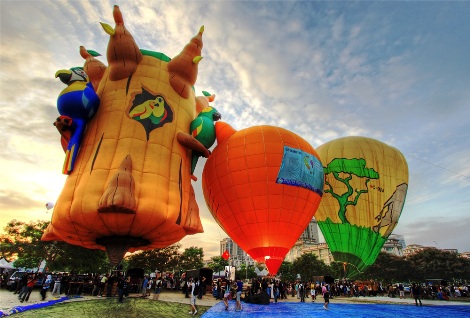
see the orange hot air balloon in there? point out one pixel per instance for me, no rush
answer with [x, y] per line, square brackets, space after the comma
[262, 185]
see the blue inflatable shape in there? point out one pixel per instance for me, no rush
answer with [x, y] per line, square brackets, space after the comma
[309, 309]
[18, 309]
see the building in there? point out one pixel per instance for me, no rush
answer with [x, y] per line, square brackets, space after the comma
[393, 246]
[400, 238]
[414, 248]
[308, 238]
[237, 255]
[450, 250]
[311, 233]
[465, 255]
[321, 250]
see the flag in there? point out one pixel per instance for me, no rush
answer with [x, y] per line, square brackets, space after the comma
[226, 255]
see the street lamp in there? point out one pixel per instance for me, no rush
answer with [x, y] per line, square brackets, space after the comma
[246, 267]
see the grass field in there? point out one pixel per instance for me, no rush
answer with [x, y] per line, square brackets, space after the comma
[110, 308]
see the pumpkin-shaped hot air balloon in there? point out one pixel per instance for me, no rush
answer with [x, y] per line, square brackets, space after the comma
[365, 189]
[130, 187]
[262, 185]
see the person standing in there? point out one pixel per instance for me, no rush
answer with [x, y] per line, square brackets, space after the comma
[312, 290]
[57, 285]
[96, 285]
[202, 287]
[416, 291]
[239, 293]
[102, 284]
[219, 289]
[30, 285]
[301, 292]
[227, 293]
[187, 290]
[276, 290]
[109, 287]
[401, 290]
[158, 286]
[122, 286]
[193, 296]
[21, 288]
[326, 296]
[150, 286]
[144, 286]
[45, 287]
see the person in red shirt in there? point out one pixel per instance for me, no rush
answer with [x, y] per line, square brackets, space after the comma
[30, 285]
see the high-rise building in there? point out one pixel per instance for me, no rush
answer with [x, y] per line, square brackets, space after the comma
[309, 237]
[237, 255]
[311, 232]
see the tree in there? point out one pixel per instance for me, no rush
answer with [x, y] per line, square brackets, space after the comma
[435, 263]
[161, 259]
[245, 272]
[308, 265]
[192, 258]
[285, 271]
[217, 264]
[389, 268]
[337, 270]
[72, 258]
[23, 242]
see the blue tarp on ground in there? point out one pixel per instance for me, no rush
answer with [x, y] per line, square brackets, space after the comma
[48, 303]
[309, 309]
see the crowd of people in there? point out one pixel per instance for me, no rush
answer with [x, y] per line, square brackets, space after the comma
[269, 289]
[278, 289]
[117, 284]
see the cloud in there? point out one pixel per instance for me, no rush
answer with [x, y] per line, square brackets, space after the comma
[321, 69]
[448, 233]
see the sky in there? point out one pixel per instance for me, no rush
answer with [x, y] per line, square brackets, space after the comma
[395, 71]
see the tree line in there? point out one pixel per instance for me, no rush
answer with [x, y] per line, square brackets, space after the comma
[22, 242]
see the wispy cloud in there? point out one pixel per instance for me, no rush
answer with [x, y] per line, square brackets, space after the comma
[397, 72]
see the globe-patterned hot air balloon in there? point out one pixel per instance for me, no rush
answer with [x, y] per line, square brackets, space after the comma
[365, 188]
[262, 185]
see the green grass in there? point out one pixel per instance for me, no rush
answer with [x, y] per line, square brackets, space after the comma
[104, 308]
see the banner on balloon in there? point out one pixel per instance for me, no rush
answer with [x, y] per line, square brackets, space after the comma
[301, 169]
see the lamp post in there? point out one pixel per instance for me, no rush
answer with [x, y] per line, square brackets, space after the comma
[246, 266]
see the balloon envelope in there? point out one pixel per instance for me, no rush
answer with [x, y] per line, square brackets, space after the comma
[49, 205]
[262, 185]
[130, 188]
[365, 188]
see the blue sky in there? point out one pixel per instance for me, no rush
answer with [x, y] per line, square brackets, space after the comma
[394, 71]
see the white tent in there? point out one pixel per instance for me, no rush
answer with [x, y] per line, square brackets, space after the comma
[5, 264]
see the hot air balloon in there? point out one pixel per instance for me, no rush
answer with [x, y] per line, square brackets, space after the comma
[262, 185]
[130, 188]
[49, 205]
[365, 188]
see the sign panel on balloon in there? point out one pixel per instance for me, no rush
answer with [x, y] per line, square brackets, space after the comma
[301, 169]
